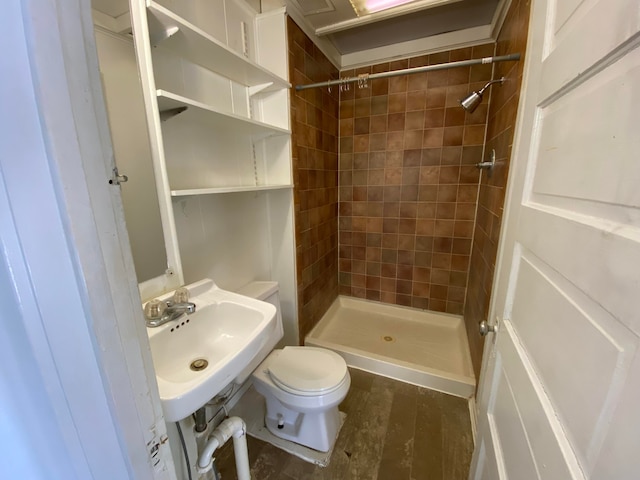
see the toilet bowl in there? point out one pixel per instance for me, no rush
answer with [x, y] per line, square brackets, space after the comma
[302, 386]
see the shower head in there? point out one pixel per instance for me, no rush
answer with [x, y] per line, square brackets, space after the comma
[471, 101]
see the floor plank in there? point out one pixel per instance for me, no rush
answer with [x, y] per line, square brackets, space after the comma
[397, 452]
[393, 431]
[427, 450]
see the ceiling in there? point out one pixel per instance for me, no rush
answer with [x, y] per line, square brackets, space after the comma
[336, 24]
[419, 19]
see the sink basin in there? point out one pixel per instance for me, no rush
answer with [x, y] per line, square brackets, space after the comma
[199, 354]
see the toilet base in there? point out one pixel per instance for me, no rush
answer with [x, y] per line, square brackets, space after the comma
[314, 430]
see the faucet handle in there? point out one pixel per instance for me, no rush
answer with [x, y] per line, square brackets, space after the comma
[181, 295]
[154, 309]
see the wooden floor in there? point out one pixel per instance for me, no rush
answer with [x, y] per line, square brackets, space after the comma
[393, 431]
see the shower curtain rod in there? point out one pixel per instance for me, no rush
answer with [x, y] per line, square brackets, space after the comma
[408, 71]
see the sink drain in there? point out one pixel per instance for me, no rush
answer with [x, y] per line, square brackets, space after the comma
[388, 338]
[199, 364]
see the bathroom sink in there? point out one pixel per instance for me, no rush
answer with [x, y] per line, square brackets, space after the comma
[199, 354]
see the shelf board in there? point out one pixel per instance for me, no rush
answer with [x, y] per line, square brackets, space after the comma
[228, 189]
[173, 32]
[218, 119]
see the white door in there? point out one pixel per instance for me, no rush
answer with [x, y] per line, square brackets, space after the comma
[560, 387]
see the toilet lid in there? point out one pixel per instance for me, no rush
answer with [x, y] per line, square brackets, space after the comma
[308, 370]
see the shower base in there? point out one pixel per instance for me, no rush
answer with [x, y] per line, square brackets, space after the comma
[423, 348]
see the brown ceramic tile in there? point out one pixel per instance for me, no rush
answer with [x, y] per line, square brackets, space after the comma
[361, 125]
[417, 81]
[380, 86]
[377, 142]
[460, 54]
[416, 100]
[407, 242]
[454, 116]
[447, 193]
[415, 120]
[395, 121]
[438, 78]
[395, 141]
[413, 139]
[452, 136]
[433, 137]
[378, 123]
[377, 159]
[434, 118]
[362, 107]
[474, 135]
[379, 105]
[397, 103]
[397, 84]
[440, 276]
[448, 174]
[465, 211]
[436, 97]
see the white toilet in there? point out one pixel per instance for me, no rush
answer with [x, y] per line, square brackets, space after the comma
[302, 386]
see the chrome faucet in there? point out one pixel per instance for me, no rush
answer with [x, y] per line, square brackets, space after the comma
[158, 312]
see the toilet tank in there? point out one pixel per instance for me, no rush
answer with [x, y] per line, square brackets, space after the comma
[267, 292]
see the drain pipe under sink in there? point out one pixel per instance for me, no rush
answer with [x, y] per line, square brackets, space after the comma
[231, 427]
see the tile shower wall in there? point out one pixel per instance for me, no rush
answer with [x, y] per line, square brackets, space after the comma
[408, 184]
[500, 129]
[314, 124]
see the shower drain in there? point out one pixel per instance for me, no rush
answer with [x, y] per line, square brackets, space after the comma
[199, 364]
[388, 338]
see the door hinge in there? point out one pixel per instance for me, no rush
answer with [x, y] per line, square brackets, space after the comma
[154, 451]
[116, 178]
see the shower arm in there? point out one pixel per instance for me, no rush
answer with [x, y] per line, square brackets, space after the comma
[499, 80]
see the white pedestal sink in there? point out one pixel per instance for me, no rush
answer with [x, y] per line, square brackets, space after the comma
[199, 354]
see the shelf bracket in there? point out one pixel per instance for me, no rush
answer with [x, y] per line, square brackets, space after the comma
[259, 88]
[162, 35]
[170, 113]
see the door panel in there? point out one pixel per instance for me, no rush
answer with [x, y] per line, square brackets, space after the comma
[599, 256]
[516, 451]
[565, 9]
[550, 313]
[552, 454]
[589, 39]
[526, 442]
[598, 160]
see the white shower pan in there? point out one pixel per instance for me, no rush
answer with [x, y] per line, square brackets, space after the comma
[427, 349]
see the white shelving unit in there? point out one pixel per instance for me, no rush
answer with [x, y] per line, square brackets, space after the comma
[214, 77]
[169, 30]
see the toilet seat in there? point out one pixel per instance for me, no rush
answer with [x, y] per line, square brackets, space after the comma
[308, 371]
